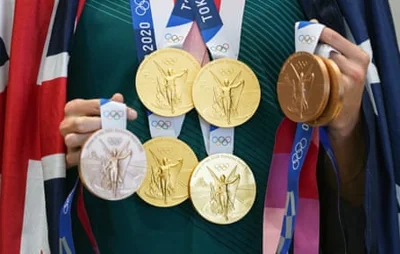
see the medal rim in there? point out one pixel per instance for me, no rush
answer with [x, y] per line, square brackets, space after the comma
[188, 149]
[80, 169]
[253, 196]
[336, 96]
[154, 54]
[216, 122]
[319, 108]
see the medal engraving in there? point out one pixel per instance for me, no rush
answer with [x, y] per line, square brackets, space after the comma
[222, 189]
[226, 93]
[170, 164]
[168, 95]
[164, 81]
[113, 164]
[303, 76]
[164, 174]
[303, 87]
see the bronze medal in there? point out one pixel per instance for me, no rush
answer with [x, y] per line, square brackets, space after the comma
[112, 164]
[222, 188]
[303, 87]
[336, 94]
[170, 165]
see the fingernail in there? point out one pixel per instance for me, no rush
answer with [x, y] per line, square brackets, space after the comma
[132, 114]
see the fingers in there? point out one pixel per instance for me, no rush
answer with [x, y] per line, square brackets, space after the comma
[74, 140]
[132, 114]
[80, 107]
[72, 158]
[82, 119]
[344, 46]
[117, 97]
[83, 124]
[351, 69]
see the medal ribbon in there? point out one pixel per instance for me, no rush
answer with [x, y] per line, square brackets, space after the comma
[113, 116]
[148, 37]
[66, 241]
[299, 156]
[306, 235]
[220, 29]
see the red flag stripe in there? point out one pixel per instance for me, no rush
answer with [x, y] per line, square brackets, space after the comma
[21, 138]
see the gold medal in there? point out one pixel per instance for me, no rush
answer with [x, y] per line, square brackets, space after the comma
[170, 165]
[112, 164]
[164, 81]
[226, 93]
[303, 87]
[222, 188]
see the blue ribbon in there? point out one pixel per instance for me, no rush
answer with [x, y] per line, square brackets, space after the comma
[65, 234]
[181, 14]
[207, 18]
[143, 26]
[301, 144]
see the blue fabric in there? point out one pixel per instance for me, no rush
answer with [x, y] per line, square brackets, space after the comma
[372, 19]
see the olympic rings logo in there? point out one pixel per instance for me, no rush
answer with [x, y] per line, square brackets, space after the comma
[306, 39]
[224, 141]
[114, 141]
[169, 61]
[173, 38]
[222, 166]
[113, 114]
[298, 153]
[142, 6]
[221, 48]
[165, 125]
[66, 205]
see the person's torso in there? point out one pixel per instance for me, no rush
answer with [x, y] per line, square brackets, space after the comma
[104, 62]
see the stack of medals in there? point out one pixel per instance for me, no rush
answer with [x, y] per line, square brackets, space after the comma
[225, 92]
[164, 85]
[310, 90]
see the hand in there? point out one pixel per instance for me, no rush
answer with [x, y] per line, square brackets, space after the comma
[353, 62]
[82, 119]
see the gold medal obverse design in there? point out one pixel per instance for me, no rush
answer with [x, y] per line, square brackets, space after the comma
[222, 188]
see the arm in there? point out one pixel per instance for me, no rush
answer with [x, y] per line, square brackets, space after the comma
[346, 130]
[350, 152]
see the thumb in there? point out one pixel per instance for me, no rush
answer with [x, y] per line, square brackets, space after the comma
[117, 97]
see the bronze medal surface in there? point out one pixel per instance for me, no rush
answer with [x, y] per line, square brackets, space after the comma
[170, 164]
[112, 164]
[303, 87]
[335, 102]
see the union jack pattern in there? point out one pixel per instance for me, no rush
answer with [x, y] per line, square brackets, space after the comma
[35, 36]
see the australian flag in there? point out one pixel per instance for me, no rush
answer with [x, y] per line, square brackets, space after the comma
[369, 24]
[34, 52]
